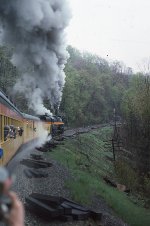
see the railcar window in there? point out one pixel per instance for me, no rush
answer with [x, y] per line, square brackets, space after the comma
[6, 132]
[4, 120]
[0, 128]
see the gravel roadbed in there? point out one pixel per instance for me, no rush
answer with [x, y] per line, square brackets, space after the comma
[53, 185]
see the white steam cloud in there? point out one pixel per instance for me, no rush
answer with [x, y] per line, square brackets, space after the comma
[42, 135]
[36, 31]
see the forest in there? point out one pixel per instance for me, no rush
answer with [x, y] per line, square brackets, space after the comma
[97, 91]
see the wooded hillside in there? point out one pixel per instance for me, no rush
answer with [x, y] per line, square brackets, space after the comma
[93, 88]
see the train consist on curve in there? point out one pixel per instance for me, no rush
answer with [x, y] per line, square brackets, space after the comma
[17, 128]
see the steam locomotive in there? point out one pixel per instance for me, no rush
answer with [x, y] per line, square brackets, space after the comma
[17, 128]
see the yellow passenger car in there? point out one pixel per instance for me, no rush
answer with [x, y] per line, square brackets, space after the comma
[16, 128]
[11, 120]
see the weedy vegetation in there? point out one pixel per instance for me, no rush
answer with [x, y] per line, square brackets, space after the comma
[89, 160]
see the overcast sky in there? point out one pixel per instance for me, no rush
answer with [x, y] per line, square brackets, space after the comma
[113, 29]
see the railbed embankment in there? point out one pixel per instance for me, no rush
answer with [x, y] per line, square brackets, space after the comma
[54, 184]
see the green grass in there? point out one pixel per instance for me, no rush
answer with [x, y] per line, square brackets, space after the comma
[88, 172]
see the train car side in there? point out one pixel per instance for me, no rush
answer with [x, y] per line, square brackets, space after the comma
[16, 128]
[10, 119]
[31, 127]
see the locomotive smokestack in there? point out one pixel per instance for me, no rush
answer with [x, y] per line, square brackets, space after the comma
[35, 30]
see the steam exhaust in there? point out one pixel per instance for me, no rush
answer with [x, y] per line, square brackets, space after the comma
[35, 30]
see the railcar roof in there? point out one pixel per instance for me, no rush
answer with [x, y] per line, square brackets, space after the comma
[31, 117]
[45, 117]
[8, 103]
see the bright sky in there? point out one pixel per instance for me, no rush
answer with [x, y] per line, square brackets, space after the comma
[117, 28]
